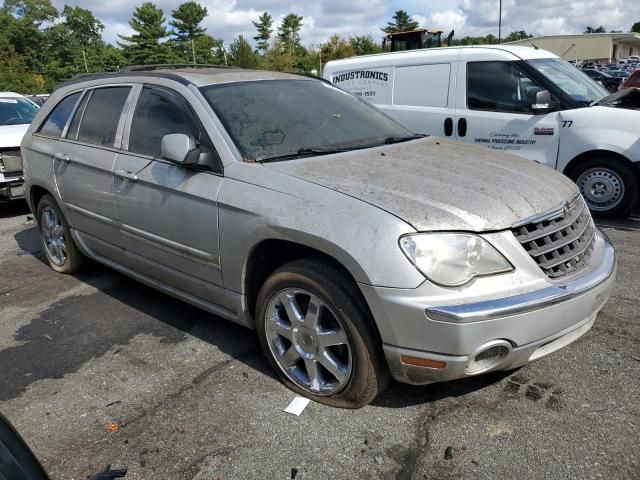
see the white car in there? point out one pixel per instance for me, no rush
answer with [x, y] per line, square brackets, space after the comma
[522, 100]
[16, 113]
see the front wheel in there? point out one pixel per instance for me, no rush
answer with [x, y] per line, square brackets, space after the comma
[318, 337]
[608, 185]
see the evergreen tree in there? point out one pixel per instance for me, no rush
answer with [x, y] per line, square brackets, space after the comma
[146, 46]
[636, 27]
[364, 45]
[241, 54]
[401, 23]
[188, 35]
[289, 33]
[264, 26]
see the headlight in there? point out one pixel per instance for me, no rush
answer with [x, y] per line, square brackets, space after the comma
[453, 259]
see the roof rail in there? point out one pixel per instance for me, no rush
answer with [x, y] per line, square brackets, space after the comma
[144, 68]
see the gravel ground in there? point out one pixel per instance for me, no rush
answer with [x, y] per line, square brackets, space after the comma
[193, 397]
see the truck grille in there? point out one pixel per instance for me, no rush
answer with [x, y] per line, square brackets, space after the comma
[562, 241]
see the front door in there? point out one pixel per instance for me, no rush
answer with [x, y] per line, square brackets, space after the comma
[493, 109]
[84, 161]
[167, 212]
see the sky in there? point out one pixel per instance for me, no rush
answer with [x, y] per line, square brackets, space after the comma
[322, 18]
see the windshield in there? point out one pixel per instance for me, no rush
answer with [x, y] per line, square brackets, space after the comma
[271, 118]
[16, 111]
[572, 81]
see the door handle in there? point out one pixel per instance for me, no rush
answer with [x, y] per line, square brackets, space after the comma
[448, 126]
[63, 157]
[462, 127]
[126, 175]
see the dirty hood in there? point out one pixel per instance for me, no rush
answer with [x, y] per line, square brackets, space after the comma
[436, 184]
[11, 135]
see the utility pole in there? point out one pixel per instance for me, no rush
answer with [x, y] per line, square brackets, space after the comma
[193, 52]
[500, 23]
[84, 57]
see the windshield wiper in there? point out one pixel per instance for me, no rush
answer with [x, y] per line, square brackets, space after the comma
[404, 138]
[304, 152]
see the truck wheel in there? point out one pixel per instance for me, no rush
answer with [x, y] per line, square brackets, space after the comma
[61, 251]
[608, 185]
[314, 330]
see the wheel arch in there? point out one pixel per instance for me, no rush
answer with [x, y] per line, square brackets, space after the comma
[594, 153]
[36, 192]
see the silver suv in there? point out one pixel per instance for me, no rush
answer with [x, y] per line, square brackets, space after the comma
[357, 250]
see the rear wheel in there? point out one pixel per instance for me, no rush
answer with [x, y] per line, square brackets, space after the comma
[608, 185]
[318, 337]
[61, 251]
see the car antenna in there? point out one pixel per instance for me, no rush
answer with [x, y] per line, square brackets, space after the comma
[527, 39]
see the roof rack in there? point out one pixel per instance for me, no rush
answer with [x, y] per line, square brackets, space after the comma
[157, 66]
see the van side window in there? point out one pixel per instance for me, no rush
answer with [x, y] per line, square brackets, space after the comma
[101, 116]
[499, 87]
[422, 85]
[57, 119]
[159, 112]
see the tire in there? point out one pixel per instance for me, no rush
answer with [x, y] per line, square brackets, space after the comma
[296, 349]
[608, 184]
[58, 245]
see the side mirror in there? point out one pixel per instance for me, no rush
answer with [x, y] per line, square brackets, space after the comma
[177, 147]
[542, 103]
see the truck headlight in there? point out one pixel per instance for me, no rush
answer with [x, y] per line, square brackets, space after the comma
[453, 259]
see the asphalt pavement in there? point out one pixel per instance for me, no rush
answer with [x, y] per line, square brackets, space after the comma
[98, 369]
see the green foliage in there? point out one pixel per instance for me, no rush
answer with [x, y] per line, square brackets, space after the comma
[186, 21]
[289, 33]
[242, 55]
[277, 59]
[519, 35]
[264, 25]
[636, 27]
[148, 45]
[600, 29]
[486, 40]
[364, 45]
[335, 48]
[401, 23]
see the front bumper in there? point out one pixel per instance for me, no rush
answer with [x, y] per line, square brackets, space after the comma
[11, 186]
[522, 328]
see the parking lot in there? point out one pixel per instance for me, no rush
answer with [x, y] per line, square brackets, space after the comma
[98, 369]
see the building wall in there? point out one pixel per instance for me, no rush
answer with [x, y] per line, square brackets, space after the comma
[575, 47]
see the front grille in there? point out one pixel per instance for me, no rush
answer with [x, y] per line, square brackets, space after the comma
[562, 241]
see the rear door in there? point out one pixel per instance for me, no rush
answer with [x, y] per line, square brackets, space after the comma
[84, 158]
[167, 212]
[493, 109]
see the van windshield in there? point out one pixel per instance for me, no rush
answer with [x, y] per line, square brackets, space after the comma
[282, 119]
[570, 80]
[16, 111]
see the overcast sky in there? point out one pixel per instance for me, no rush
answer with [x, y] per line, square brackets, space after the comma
[322, 18]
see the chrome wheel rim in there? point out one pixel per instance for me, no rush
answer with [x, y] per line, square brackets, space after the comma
[53, 236]
[602, 189]
[308, 341]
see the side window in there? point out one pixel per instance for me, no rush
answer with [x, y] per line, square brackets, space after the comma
[422, 85]
[72, 132]
[57, 119]
[101, 115]
[499, 87]
[159, 112]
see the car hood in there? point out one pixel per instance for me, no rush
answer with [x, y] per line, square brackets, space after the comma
[436, 184]
[11, 135]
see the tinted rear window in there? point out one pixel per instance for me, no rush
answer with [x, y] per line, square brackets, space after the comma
[58, 117]
[101, 117]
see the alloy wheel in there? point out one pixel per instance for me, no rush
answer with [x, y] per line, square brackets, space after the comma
[53, 236]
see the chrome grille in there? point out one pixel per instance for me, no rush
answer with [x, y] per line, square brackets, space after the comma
[562, 241]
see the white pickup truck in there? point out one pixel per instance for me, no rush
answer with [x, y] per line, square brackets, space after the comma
[16, 113]
[518, 99]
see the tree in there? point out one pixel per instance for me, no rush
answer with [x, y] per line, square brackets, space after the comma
[401, 23]
[188, 32]
[146, 46]
[84, 30]
[636, 27]
[519, 35]
[264, 26]
[241, 54]
[335, 48]
[364, 45]
[600, 29]
[289, 32]
[276, 58]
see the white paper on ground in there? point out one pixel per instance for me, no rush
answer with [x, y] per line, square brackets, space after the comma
[297, 405]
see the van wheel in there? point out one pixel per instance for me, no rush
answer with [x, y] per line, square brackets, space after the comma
[61, 251]
[608, 185]
[314, 330]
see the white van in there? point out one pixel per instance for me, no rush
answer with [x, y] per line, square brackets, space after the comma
[518, 99]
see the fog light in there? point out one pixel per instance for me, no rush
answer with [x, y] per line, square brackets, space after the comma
[488, 356]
